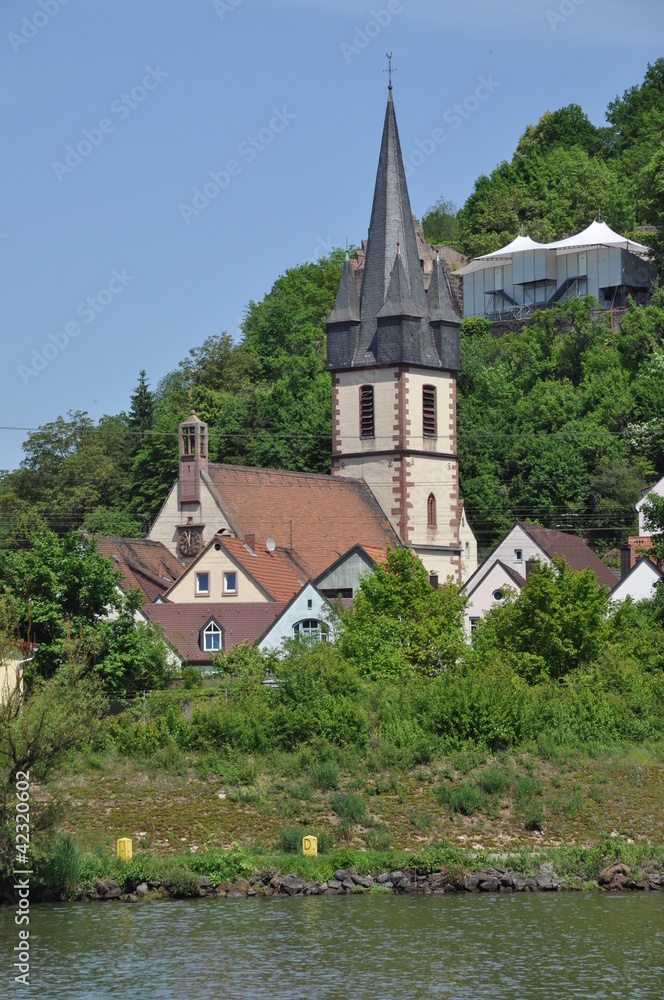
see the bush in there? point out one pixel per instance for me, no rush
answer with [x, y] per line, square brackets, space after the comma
[466, 798]
[60, 867]
[290, 840]
[349, 807]
[325, 775]
[495, 780]
[526, 789]
[191, 678]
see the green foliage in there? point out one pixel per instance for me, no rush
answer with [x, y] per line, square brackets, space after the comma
[191, 678]
[440, 224]
[556, 624]
[466, 798]
[348, 807]
[399, 623]
[325, 775]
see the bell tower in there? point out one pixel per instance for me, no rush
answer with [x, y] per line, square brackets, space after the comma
[193, 459]
[393, 353]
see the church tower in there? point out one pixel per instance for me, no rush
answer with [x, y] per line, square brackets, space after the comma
[393, 352]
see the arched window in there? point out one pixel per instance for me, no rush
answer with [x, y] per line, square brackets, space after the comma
[431, 511]
[366, 411]
[429, 411]
[310, 628]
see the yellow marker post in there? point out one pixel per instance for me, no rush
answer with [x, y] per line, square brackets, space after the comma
[124, 849]
[310, 847]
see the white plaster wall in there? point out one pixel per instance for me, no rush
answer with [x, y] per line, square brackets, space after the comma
[297, 611]
[482, 599]
[164, 528]
[445, 415]
[438, 476]
[468, 548]
[639, 585]
[215, 563]
[658, 488]
[517, 539]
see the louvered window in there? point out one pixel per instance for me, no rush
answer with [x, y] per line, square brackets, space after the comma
[428, 411]
[366, 411]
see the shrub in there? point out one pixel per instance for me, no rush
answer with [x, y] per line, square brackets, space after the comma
[526, 789]
[466, 798]
[191, 678]
[325, 775]
[495, 780]
[348, 807]
[60, 866]
[290, 840]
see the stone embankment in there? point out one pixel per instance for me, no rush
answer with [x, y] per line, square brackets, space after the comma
[346, 881]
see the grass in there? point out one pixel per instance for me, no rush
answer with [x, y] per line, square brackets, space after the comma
[209, 801]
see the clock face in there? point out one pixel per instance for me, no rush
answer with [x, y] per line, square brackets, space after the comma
[189, 541]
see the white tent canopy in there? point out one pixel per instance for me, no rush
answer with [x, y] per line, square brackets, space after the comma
[516, 246]
[596, 234]
[599, 234]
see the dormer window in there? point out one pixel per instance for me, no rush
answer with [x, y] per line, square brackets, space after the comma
[311, 629]
[211, 638]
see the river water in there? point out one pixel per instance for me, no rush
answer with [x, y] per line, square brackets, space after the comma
[499, 947]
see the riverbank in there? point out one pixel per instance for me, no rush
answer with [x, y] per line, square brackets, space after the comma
[439, 869]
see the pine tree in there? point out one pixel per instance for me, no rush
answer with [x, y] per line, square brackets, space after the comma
[141, 414]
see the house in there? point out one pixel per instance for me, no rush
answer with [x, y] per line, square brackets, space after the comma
[235, 570]
[525, 275]
[639, 583]
[145, 565]
[641, 543]
[342, 578]
[197, 631]
[307, 616]
[393, 354]
[507, 565]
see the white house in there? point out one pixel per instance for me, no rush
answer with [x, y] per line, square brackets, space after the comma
[523, 543]
[658, 490]
[640, 582]
[308, 615]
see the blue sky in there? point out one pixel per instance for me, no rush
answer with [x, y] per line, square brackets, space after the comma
[116, 111]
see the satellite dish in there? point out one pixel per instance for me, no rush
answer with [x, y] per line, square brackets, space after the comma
[270, 545]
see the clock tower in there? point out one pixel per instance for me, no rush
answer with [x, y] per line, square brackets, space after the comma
[193, 452]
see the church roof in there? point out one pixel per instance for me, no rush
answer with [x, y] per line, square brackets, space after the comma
[395, 325]
[439, 298]
[347, 303]
[311, 518]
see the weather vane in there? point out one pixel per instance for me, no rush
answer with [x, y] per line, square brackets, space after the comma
[389, 69]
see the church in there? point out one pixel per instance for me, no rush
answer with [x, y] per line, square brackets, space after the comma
[393, 355]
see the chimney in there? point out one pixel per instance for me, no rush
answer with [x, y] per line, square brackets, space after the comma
[250, 541]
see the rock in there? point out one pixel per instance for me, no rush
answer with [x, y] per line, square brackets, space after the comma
[448, 887]
[524, 884]
[341, 874]
[366, 883]
[348, 883]
[614, 876]
[113, 894]
[383, 878]
[142, 890]
[251, 891]
[489, 884]
[268, 890]
[292, 884]
[395, 876]
[204, 882]
[129, 897]
[472, 881]
[275, 881]
[231, 894]
[334, 883]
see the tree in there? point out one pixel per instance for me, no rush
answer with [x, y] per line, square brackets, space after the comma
[555, 625]
[63, 591]
[34, 736]
[141, 413]
[399, 623]
[440, 224]
[653, 510]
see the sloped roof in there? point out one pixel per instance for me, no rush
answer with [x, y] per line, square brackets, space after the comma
[518, 579]
[145, 565]
[517, 245]
[181, 624]
[310, 517]
[268, 569]
[644, 566]
[572, 548]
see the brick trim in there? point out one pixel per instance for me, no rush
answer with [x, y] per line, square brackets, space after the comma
[336, 423]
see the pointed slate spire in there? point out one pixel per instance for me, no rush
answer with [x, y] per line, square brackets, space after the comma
[391, 223]
[399, 301]
[347, 303]
[438, 297]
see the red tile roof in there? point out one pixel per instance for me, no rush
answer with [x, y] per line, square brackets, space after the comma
[572, 548]
[313, 519]
[146, 566]
[181, 624]
[269, 570]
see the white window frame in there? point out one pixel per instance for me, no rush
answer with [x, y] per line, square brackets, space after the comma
[311, 629]
[230, 591]
[212, 631]
[518, 555]
[200, 591]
